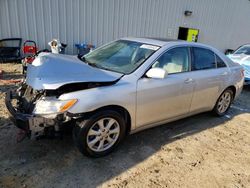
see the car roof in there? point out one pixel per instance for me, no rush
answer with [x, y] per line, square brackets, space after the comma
[149, 40]
[164, 42]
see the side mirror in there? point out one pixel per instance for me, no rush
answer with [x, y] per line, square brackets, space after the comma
[156, 73]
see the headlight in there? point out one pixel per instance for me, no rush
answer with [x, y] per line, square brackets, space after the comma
[53, 106]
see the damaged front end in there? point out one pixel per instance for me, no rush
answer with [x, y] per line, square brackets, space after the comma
[35, 113]
[36, 106]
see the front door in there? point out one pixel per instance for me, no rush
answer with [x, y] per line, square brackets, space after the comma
[162, 99]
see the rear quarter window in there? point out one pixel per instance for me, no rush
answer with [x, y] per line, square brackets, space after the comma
[220, 62]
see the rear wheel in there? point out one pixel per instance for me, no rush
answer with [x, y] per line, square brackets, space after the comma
[223, 103]
[100, 134]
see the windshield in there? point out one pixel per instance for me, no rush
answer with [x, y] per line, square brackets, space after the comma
[243, 50]
[120, 56]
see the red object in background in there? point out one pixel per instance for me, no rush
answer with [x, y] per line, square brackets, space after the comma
[29, 49]
[29, 59]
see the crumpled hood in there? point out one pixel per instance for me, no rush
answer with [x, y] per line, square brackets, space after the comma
[51, 71]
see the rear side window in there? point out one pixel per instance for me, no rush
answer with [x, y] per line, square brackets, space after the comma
[203, 59]
[220, 62]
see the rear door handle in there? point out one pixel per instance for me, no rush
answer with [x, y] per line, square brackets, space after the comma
[188, 80]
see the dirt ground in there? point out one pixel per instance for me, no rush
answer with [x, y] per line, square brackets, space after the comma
[200, 151]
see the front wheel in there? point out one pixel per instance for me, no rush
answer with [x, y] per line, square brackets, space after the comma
[99, 134]
[223, 103]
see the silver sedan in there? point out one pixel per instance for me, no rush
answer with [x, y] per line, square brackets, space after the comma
[123, 87]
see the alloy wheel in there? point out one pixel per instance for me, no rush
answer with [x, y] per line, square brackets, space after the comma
[224, 102]
[103, 134]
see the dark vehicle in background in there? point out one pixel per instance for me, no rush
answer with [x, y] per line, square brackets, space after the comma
[10, 50]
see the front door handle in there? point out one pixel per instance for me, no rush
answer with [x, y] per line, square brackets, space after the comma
[188, 80]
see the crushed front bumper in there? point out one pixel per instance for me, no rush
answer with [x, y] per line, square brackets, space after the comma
[19, 119]
[26, 122]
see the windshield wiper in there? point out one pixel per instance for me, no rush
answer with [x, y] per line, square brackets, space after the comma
[82, 58]
[97, 66]
[93, 65]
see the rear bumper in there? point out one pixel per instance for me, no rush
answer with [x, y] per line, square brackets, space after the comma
[19, 119]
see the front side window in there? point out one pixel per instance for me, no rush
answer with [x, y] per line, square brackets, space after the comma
[174, 61]
[203, 59]
[120, 56]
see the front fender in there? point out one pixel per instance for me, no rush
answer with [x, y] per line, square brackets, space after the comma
[121, 94]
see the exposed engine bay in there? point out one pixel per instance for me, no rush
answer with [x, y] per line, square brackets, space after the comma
[21, 104]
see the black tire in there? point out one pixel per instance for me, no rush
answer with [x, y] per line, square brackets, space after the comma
[81, 129]
[216, 110]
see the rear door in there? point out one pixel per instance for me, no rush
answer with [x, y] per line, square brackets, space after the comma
[209, 77]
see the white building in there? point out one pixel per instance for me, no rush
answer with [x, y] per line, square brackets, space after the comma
[221, 23]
